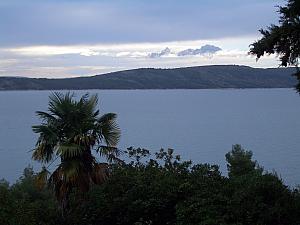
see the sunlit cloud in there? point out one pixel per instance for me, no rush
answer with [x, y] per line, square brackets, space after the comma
[86, 60]
[139, 49]
[8, 62]
[89, 37]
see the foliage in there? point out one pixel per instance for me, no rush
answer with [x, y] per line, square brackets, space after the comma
[262, 199]
[283, 39]
[161, 189]
[70, 130]
[137, 193]
[24, 203]
[240, 162]
[165, 190]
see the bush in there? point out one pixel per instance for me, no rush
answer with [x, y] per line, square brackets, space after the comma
[161, 190]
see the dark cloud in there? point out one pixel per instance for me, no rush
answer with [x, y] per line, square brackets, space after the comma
[204, 50]
[163, 52]
[66, 22]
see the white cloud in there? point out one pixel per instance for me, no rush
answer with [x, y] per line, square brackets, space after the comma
[89, 52]
[82, 60]
[123, 54]
[8, 62]
[54, 50]
[241, 43]
[235, 53]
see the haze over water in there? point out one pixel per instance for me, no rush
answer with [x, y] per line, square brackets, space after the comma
[200, 125]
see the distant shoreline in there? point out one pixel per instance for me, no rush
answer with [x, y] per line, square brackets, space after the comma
[201, 77]
[169, 89]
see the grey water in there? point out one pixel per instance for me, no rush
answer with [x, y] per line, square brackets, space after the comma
[201, 125]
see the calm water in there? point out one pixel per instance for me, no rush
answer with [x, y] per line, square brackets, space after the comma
[200, 125]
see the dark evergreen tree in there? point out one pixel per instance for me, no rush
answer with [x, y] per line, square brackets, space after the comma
[239, 162]
[283, 39]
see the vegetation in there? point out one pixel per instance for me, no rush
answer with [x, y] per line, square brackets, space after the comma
[229, 76]
[161, 190]
[137, 188]
[282, 39]
[25, 204]
[70, 130]
[240, 163]
[146, 189]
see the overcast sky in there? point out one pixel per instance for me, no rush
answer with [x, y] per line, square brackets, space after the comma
[66, 38]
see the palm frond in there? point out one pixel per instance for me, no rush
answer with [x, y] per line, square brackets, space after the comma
[56, 182]
[46, 143]
[92, 103]
[71, 169]
[100, 173]
[84, 140]
[60, 103]
[43, 152]
[42, 177]
[70, 129]
[109, 129]
[47, 117]
[71, 150]
[45, 130]
[110, 153]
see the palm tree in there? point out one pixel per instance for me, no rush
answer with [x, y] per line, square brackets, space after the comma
[73, 132]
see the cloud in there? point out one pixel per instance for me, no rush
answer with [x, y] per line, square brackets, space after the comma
[89, 52]
[207, 50]
[134, 54]
[204, 50]
[138, 49]
[210, 49]
[53, 50]
[163, 52]
[72, 60]
[65, 22]
[8, 62]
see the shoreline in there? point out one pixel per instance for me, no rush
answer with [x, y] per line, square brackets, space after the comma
[147, 89]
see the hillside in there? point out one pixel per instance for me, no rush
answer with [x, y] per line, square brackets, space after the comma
[201, 77]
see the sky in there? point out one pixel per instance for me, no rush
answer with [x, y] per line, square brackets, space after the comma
[70, 38]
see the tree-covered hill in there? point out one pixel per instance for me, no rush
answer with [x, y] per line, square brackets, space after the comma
[201, 77]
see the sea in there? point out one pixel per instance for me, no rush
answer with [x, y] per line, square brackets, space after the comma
[200, 125]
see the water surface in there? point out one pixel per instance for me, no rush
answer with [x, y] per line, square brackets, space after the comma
[200, 125]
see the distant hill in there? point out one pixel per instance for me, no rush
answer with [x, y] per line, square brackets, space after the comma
[201, 77]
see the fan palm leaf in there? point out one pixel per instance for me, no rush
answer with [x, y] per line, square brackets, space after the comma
[70, 130]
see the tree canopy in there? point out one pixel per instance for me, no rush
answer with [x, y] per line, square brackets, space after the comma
[283, 39]
[160, 189]
[239, 162]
